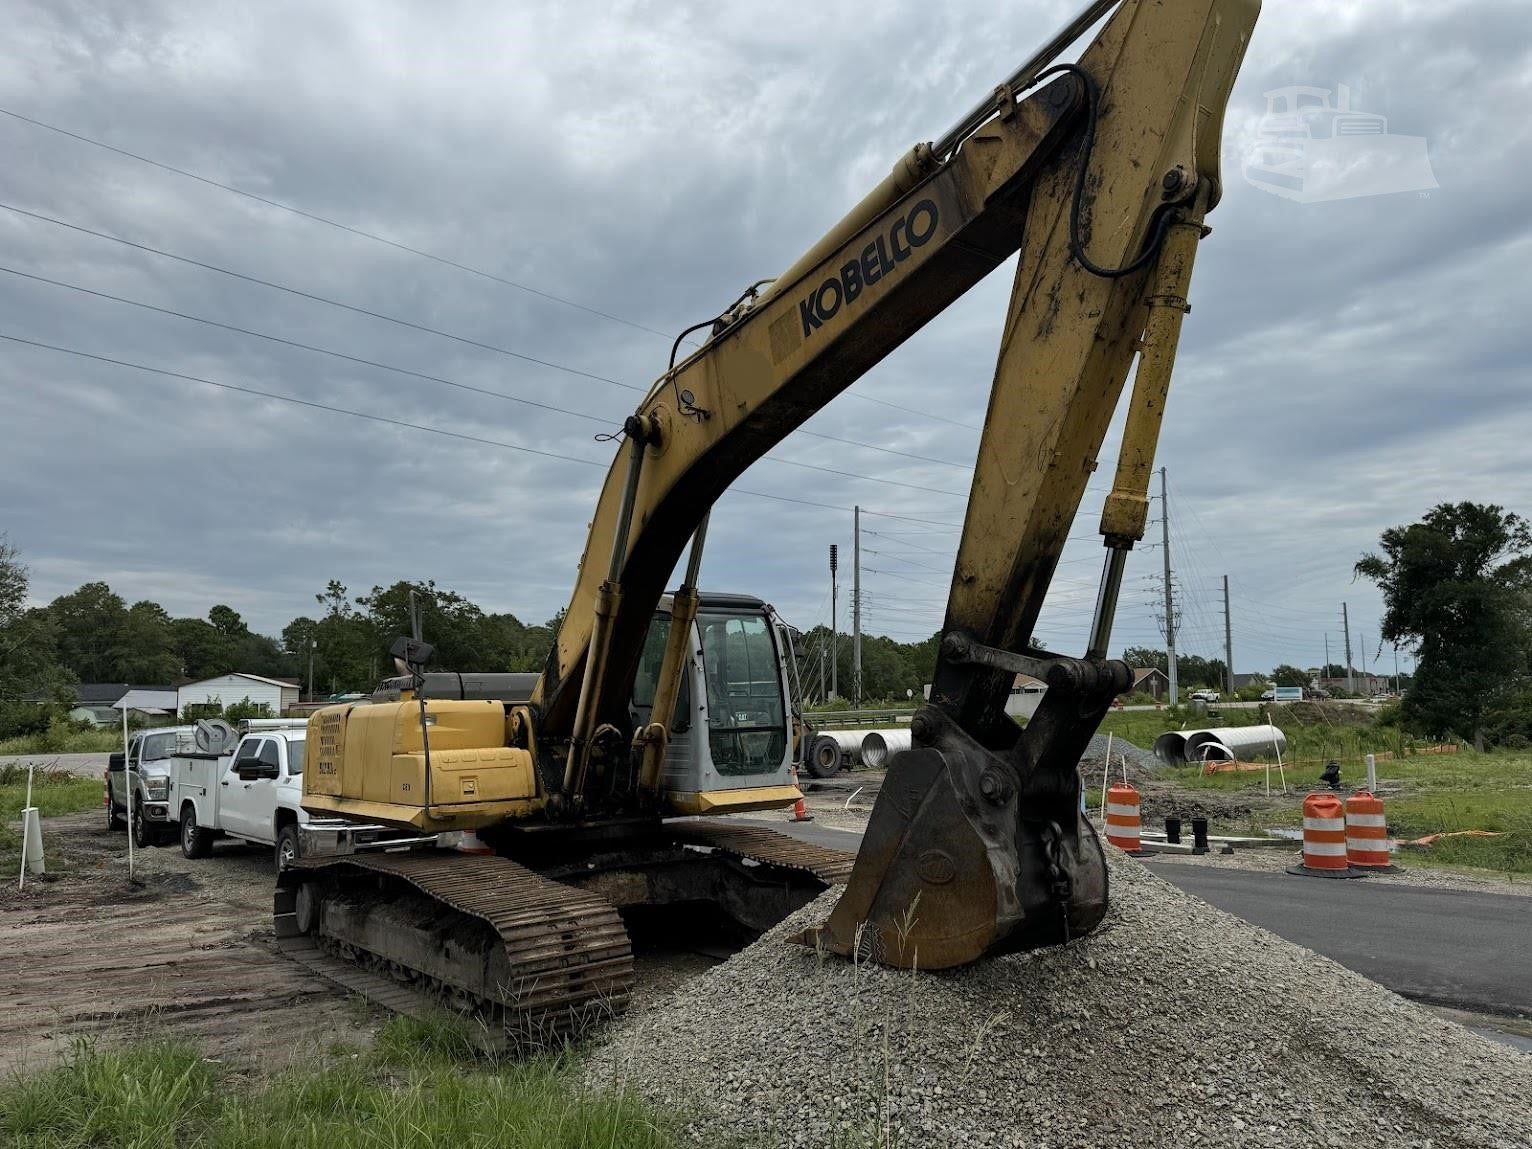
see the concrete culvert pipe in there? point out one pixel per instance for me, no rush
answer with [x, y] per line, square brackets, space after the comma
[879, 747]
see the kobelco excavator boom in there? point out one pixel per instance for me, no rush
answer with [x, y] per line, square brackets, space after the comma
[1099, 174]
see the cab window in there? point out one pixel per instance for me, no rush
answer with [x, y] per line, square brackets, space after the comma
[747, 725]
[647, 680]
[294, 758]
[158, 746]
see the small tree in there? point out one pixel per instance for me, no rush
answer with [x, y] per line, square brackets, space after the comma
[244, 708]
[1455, 590]
[1286, 675]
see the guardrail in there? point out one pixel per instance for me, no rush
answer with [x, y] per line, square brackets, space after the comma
[841, 719]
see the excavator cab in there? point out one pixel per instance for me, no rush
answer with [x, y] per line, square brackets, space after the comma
[731, 741]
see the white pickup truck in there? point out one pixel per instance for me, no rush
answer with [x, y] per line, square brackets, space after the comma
[251, 794]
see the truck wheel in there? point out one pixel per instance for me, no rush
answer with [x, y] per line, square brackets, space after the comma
[143, 834]
[195, 841]
[114, 818]
[288, 849]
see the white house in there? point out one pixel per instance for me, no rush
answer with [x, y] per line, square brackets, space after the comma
[227, 689]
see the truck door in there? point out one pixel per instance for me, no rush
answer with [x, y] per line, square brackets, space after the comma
[248, 790]
[119, 778]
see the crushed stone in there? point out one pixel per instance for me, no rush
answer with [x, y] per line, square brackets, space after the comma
[1174, 1024]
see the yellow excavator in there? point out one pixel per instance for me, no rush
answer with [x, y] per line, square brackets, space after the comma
[496, 841]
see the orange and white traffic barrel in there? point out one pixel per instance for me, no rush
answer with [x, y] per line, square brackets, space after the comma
[1124, 824]
[1367, 833]
[1324, 839]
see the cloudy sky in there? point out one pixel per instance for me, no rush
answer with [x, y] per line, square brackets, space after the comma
[1347, 364]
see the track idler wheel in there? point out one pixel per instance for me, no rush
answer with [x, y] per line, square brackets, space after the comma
[967, 852]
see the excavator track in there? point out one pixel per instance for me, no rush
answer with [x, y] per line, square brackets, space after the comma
[566, 966]
[768, 848]
[567, 963]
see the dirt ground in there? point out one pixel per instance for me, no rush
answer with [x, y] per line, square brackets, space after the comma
[187, 952]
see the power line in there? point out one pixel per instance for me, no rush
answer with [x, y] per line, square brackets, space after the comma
[606, 422]
[309, 295]
[395, 244]
[299, 402]
[436, 378]
[412, 426]
[357, 231]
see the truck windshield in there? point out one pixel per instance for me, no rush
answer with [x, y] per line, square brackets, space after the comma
[747, 725]
[294, 756]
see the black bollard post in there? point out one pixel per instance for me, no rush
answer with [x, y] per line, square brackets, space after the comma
[1173, 831]
[1199, 835]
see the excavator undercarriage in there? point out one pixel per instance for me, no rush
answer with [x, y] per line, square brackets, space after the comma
[539, 954]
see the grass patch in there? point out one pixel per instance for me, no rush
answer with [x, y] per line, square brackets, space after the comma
[420, 1086]
[1442, 793]
[53, 792]
[57, 740]
[1507, 812]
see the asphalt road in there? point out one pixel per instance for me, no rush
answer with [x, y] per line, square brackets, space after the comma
[85, 764]
[1466, 950]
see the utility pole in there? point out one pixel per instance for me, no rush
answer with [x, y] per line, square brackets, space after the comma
[1396, 670]
[1170, 602]
[1350, 675]
[856, 606]
[1325, 673]
[823, 697]
[834, 634]
[1228, 639]
[1362, 642]
[313, 643]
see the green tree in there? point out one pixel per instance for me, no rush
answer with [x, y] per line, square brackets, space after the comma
[349, 648]
[28, 640]
[1192, 670]
[448, 621]
[1286, 675]
[147, 652]
[1456, 591]
[203, 651]
[13, 583]
[89, 626]
[1147, 656]
[226, 621]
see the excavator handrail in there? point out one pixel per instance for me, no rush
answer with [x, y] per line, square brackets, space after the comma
[1023, 77]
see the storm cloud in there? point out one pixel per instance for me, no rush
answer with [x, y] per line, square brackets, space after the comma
[1346, 364]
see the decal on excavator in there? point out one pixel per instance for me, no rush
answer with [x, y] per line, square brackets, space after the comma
[878, 259]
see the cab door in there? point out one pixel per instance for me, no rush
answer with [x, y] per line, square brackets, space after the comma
[249, 790]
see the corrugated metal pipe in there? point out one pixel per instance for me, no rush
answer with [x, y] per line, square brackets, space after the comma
[879, 747]
[1220, 744]
[1235, 743]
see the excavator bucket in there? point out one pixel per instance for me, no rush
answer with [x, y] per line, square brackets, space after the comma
[967, 852]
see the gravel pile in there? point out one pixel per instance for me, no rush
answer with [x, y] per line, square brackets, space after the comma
[1140, 760]
[1174, 1024]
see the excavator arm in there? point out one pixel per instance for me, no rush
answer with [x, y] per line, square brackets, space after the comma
[1099, 174]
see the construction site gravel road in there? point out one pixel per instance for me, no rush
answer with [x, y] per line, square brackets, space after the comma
[1174, 1024]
